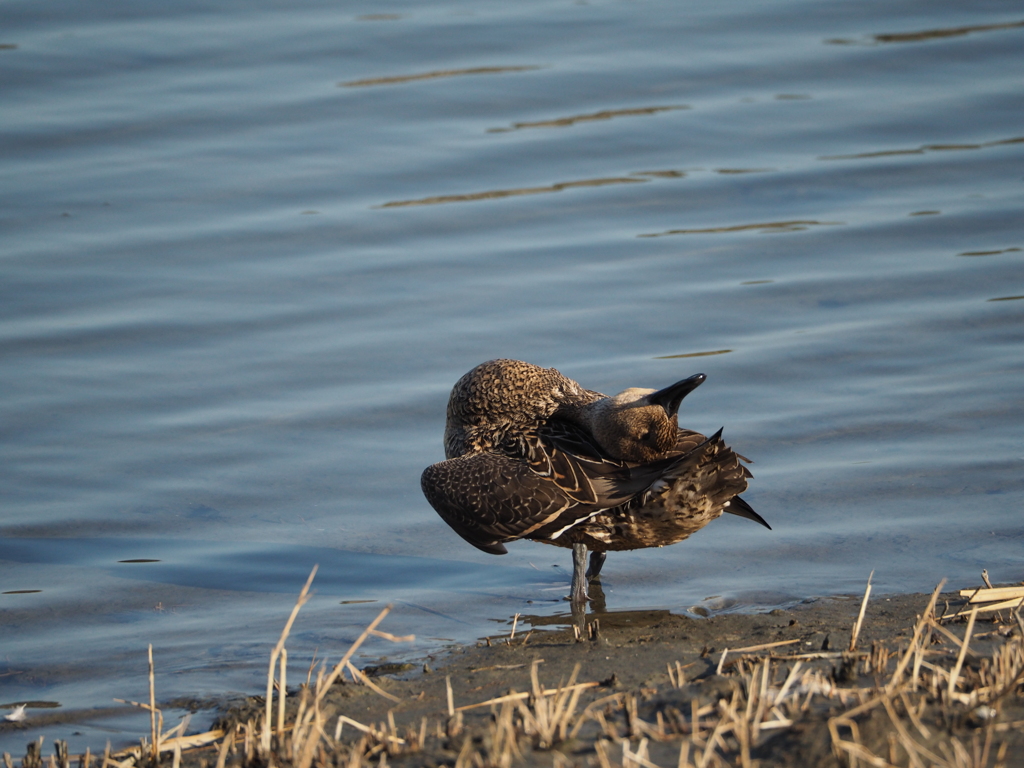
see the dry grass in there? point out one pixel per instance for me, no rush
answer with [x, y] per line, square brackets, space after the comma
[932, 704]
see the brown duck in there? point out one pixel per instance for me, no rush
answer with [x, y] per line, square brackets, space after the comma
[533, 455]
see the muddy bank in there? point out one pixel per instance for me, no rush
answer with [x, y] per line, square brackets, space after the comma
[638, 688]
[651, 688]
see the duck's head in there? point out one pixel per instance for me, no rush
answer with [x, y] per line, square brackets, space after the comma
[640, 425]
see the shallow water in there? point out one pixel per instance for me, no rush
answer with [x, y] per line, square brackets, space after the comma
[246, 254]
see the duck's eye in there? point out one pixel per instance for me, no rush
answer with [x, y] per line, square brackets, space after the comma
[645, 436]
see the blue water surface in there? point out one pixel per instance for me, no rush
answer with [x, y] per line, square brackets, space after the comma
[246, 250]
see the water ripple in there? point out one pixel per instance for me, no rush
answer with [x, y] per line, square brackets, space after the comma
[432, 76]
[932, 34]
[988, 253]
[927, 34]
[606, 114]
[695, 354]
[925, 148]
[797, 225]
[499, 193]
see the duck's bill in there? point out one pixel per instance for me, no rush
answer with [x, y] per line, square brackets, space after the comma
[670, 397]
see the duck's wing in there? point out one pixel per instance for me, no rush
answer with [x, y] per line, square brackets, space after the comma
[549, 484]
[488, 498]
[570, 458]
[544, 484]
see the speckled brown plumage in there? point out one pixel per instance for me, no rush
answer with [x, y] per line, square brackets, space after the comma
[532, 454]
[500, 399]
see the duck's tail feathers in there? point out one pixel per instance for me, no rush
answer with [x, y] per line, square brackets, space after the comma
[740, 508]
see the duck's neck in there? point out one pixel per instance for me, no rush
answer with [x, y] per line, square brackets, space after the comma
[593, 417]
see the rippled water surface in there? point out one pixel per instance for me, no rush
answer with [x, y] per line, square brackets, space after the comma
[248, 249]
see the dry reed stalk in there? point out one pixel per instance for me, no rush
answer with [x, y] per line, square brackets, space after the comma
[905, 738]
[451, 698]
[393, 638]
[587, 713]
[512, 634]
[309, 747]
[818, 655]
[1007, 604]
[695, 713]
[525, 695]
[721, 661]
[771, 725]
[154, 734]
[321, 692]
[955, 675]
[222, 754]
[565, 704]
[684, 754]
[359, 675]
[860, 616]
[379, 735]
[178, 730]
[751, 649]
[275, 654]
[918, 629]
[762, 701]
[298, 729]
[956, 640]
[680, 677]
[548, 713]
[989, 595]
[854, 749]
[190, 742]
[635, 758]
[914, 718]
[713, 740]
[282, 690]
[790, 679]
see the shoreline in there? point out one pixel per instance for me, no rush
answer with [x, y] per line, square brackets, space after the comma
[649, 687]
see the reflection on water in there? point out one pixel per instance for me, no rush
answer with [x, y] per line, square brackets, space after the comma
[606, 114]
[989, 253]
[931, 34]
[498, 193]
[924, 148]
[928, 34]
[432, 76]
[798, 225]
[234, 302]
[704, 354]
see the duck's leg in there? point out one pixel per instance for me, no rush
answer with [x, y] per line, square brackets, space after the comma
[578, 592]
[596, 562]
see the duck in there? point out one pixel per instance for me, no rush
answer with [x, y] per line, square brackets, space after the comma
[532, 454]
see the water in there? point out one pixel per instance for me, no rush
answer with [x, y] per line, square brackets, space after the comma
[247, 251]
